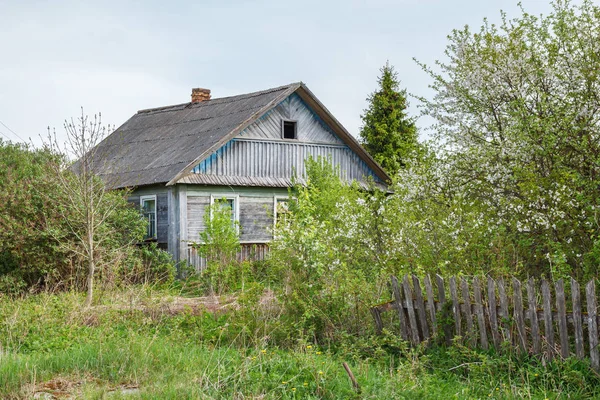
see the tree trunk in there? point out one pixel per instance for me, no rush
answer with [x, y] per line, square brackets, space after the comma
[91, 270]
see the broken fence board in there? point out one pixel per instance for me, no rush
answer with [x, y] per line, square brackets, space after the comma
[400, 308]
[592, 310]
[548, 325]
[533, 317]
[562, 318]
[483, 340]
[420, 305]
[518, 311]
[468, 314]
[408, 298]
[493, 312]
[577, 322]
[431, 304]
[455, 307]
[504, 311]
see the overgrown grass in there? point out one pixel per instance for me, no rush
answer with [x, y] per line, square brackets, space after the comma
[134, 340]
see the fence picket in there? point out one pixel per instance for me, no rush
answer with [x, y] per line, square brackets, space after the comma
[455, 307]
[533, 317]
[408, 298]
[504, 311]
[420, 303]
[483, 340]
[518, 310]
[442, 302]
[431, 304]
[493, 312]
[592, 310]
[562, 318]
[417, 310]
[577, 322]
[468, 314]
[400, 308]
[548, 326]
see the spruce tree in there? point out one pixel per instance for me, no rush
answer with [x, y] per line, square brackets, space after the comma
[388, 134]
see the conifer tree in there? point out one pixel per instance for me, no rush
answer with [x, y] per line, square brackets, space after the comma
[388, 134]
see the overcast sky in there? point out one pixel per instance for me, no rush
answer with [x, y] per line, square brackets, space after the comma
[119, 57]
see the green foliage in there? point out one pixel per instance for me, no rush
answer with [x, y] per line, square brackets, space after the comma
[388, 134]
[516, 109]
[148, 264]
[219, 245]
[327, 257]
[29, 254]
[138, 339]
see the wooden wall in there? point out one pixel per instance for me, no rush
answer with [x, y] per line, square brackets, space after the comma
[260, 151]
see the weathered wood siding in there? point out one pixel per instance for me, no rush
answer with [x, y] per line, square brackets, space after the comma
[195, 216]
[261, 152]
[256, 218]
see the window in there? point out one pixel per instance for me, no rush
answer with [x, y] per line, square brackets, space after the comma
[282, 209]
[289, 129]
[148, 206]
[230, 202]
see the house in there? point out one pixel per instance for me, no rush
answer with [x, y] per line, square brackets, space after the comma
[245, 149]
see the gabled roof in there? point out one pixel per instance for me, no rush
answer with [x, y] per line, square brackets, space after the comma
[162, 145]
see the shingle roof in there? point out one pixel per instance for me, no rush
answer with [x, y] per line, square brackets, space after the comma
[156, 144]
[161, 145]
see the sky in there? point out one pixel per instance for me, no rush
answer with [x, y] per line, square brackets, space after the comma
[117, 57]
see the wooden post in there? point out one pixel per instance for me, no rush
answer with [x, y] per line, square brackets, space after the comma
[548, 325]
[408, 298]
[493, 311]
[479, 313]
[504, 310]
[431, 304]
[400, 308]
[377, 318]
[519, 320]
[562, 318]
[421, 308]
[533, 317]
[592, 310]
[577, 322]
[442, 302]
[468, 313]
[455, 307]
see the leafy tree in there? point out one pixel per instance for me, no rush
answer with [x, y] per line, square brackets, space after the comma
[518, 115]
[388, 134]
[29, 255]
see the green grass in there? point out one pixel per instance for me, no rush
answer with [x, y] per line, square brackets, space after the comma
[134, 341]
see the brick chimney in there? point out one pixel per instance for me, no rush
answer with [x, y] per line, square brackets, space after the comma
[200, 94]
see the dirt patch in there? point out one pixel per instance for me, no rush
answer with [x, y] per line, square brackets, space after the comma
[66, 389]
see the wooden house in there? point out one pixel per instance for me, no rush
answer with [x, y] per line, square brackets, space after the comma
[245, 149]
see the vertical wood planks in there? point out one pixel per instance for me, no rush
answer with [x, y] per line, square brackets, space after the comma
[548, 326]
[483, 340]
[562, 318]
[592, 310]
[442, 302]
[533, 317]
[400, 308]
[504, 310]
[518, 310]
[577, 322]
[467, 307]
[455, 307]
[420, 303]
[408, 297]
[493, 312]
[431, 304]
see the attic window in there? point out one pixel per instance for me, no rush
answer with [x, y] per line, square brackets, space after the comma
[289, 129]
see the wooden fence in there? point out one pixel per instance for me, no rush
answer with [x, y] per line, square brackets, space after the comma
[489, 313]
[248, 251]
